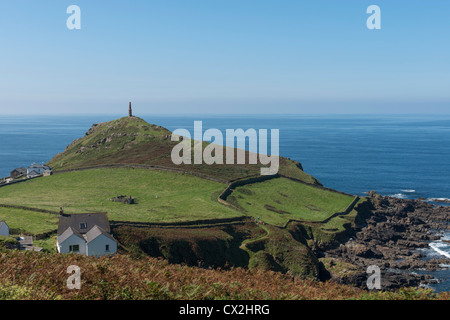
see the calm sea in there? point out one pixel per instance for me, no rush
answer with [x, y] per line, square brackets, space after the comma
[406, 156]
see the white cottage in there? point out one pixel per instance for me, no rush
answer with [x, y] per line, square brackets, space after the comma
[4, 229]
[36, 170]
[86, 234]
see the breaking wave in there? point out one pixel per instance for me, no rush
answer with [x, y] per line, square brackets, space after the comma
[399, 195]
[439, 199]
[437, 246]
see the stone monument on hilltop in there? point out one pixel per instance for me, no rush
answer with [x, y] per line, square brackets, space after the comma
[130, 111]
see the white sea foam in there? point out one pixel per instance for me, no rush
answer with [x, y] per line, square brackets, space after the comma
[399, 195]
[439, 199]
[408, 190]
[436, 246]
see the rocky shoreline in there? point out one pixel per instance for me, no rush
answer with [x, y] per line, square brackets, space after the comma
[388, 235]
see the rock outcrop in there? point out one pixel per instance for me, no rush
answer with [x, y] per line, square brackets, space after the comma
[389, 237]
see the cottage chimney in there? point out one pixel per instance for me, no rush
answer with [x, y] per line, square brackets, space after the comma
[130, 112]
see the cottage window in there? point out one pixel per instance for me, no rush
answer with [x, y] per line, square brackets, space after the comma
[107, 247]
[83, 225]
[74, 248]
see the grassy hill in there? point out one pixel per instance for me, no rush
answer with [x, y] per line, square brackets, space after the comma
[131, 140]
[129, 157]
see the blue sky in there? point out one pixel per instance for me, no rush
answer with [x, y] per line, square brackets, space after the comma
[225, 56]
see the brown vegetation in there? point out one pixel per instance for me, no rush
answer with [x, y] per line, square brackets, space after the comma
[43, 276]
[31, 275]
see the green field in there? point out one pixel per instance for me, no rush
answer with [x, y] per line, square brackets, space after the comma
[165, 197]
[161, 196]
[29, 221]
[278, 200]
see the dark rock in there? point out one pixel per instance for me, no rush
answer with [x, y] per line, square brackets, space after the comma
[123, 199]
[389, 237]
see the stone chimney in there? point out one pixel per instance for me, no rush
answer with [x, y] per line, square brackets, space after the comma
[130, 112]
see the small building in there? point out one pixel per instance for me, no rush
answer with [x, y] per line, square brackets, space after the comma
[33, 174]
[4, 229]
[36, 170]
[18, 172]
[85, 233]
[26, 243]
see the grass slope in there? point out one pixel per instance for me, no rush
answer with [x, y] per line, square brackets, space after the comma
[205, 247]
[279, 200]
[279, 251]
[29, 222]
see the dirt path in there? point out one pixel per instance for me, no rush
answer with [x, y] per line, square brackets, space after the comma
[244, 244]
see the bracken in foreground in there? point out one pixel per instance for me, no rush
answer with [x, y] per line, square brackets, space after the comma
[31, 275]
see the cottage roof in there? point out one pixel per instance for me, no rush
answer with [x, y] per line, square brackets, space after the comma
[95, 232]
[39, 166]
[67, 234]
[2, 222]
[34, 173]
[26, 241]
[83, 222]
